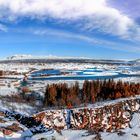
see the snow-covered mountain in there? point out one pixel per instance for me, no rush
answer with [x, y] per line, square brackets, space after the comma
[28, 56]
[19, 57]
[138, 60]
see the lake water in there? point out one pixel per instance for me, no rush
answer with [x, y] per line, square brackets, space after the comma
[88, 74]
[49, 72]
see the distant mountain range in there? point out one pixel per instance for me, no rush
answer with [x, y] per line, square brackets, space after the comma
[52, 59]
[18, 57]
[24, 56]
[137, 61]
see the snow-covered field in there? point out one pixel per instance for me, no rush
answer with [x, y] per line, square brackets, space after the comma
[11, 83]
[13, 125]
[14, 73]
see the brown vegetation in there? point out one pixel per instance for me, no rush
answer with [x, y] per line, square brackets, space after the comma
[92, 91]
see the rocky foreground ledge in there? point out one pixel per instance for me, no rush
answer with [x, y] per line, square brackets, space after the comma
[110, 118]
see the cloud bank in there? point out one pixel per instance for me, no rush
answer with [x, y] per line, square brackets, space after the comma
[96, 14]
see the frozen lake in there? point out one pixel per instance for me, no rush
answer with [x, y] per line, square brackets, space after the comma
[87, 74]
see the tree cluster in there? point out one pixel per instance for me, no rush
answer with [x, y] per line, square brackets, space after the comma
[91, 91]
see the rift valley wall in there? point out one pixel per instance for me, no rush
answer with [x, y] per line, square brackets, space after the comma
[108, 118]
[111, 116]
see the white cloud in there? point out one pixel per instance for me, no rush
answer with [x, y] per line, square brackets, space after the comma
[97, 13]
[3, 28]
[92, 40]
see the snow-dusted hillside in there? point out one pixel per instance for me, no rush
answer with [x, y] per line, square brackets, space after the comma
[137, 61]
[19, 57]
[108, 120]
[28, 56]
[111, 120]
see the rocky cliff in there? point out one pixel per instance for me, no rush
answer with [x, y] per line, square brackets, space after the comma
[108, 118]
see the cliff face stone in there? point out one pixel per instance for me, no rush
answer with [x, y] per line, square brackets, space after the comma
[108, 118]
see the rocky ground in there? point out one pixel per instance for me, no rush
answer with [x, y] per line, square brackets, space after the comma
[114, 120]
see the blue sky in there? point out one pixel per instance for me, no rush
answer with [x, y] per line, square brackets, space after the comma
[106, 29]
